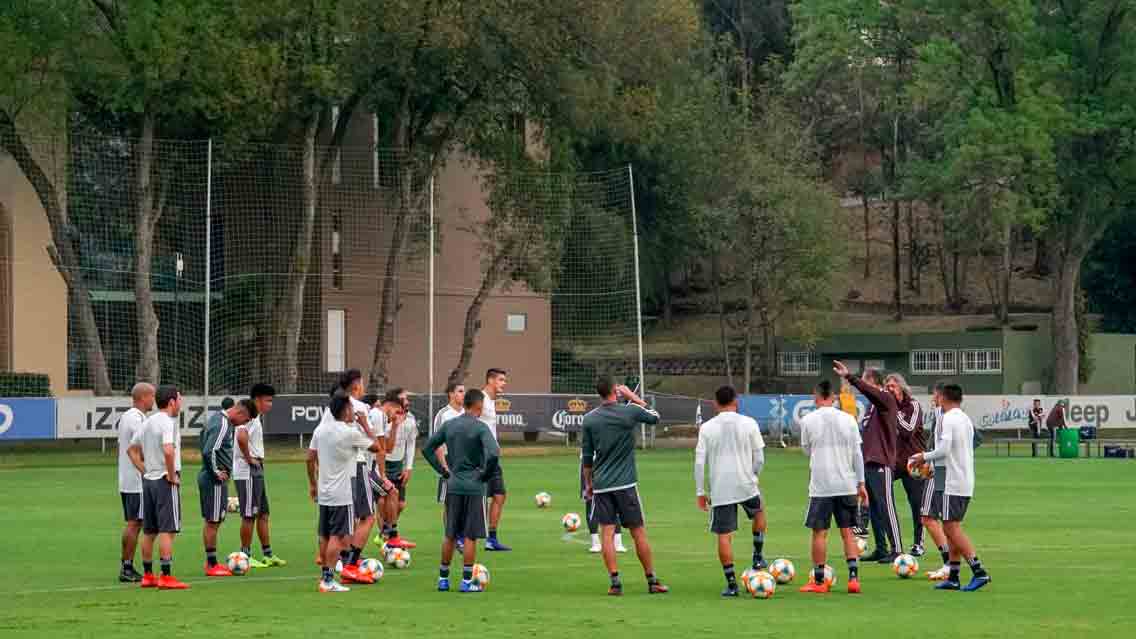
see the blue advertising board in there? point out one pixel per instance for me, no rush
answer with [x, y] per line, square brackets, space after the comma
[27, 419]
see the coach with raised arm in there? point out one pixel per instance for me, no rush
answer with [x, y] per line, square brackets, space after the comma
[879, 427]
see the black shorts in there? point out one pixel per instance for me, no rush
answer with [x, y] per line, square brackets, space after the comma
[954, 507]
[495, 484]
[131, 506]
[336, 521]
[161, 507]
[441, 490]
[394, 474]
[252, 496]
[932, 504]
[724, 518]
[465, 517]
[362, 492]
[214, 498]
[621, 506]
[822, 510]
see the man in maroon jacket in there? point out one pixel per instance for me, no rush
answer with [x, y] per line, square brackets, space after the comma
[878, 428]
[908, 442]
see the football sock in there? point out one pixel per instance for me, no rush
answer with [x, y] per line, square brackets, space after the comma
[818, 574]
[393, 532]
[127, 564]
[266, 550]
[247, 551]
[615, 583]
[148, 567]
[211, 556]
[344, 556]
[165, 562]
[946, 554]
[976, 566]
[758, 546]
[444, 571]
[493, 533]
[386, 530]
[954, 570]
[731, 579]
[326, 574]
[356, 553]
[618, 540]
[595, 539]
[652, 579]
[853, 568]
[467, 572]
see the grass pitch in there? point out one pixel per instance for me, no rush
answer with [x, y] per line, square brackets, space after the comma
[1056, 536]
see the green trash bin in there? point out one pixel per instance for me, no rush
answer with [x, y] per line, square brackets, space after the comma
[1068, 443]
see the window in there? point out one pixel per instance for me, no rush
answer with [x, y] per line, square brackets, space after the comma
[853, 365]
[875, 364]
[336, 340]
[798, 363]
[336, 252]
[928, 362]
[516, 323]
[982, 361]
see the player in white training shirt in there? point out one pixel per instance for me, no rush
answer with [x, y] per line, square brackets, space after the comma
[954, 450]
[130, 479]
[398, 438]
[831, 439]
[248, 476]
[495, 381]
[732, 446]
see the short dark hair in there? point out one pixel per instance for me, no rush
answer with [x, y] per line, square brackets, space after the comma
[725, 395]
[453, 386]
[340, 402]
[250, 408]
[370, 399]
[604, 386]
[348, 378]
[227, 403]
[166, 394]
[874, 375]
[494, 372]
[262, 390]
[392, 396]
[473, 398]
[952, 392]
[823, 390]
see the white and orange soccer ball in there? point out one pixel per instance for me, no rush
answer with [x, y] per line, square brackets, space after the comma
[749, 572]
[783, 571]
[571, 522]
[829, 576]
[920, 471]
[233, 505]
[905, 566]
[399, 558]
[543, 500]
[862, 545]
[238, 563]
[761, 585]
[481, 575]
[372, 567]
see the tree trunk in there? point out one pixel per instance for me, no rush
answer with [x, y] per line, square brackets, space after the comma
[62, 252]
[1066, 356]
[285, 369]
[749, 327]
[912, 249]
[896, 271]
[1040, 256]
[1005, 273]
[146, 221]
[715, 282]
[867, 236]
[473, 314]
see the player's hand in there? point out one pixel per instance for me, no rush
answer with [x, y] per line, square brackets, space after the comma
[862, 493]
[916, 459]
[840, 369]
[703, 505]
[312, 492]
[173, 480]
[404, 477]
[588, 494]
[387, 485]
[223, 476]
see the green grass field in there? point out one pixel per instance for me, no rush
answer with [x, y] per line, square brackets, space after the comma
[1056, 536]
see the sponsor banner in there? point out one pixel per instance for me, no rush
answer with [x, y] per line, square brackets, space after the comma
[27, 419]
[294, 414]
[97, 417]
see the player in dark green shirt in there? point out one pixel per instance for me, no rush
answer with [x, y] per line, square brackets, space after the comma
[471, 459]
[213, 479]
[610, 478]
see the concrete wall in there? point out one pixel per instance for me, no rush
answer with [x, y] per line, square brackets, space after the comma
[1027, 361]
[1115, 371]
[5, 289]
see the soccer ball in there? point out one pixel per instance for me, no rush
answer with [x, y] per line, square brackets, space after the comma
[746, 576]
[862, 544]
[233, 505]
[372, 567]
[386, 550]
[543, 500]
[399, 558]
[783, 571]
[238, 563]
[481, 575]
[829, 576]
[920, 471]
[571, 522]
[762, 585]
[905, 566]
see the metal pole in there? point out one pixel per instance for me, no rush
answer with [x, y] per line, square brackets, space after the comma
[638, 294]
[208, 260]
[430, 332]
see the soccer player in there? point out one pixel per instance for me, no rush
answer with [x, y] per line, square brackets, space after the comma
[213, 479]
[879, 427]
[495, 381]
[248, 477]
[831, 439]
[733, 447]
[130, 479]
[956, 451]
[471, 460]
[155, 451]
[908, 441]
[593, 525]
[455, 394]
[351, 383]
[332, 465]
[398, 440]
[936, 485]
[611, 480]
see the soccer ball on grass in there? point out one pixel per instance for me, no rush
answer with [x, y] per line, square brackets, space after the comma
[905, 566]
[571, 522]
[481, 575]
[543, 500]
[238, 563]
[372, 567]
[399, 558]
[761, 585]
[783, 571]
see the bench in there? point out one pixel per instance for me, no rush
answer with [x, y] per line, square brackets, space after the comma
[1040, 447]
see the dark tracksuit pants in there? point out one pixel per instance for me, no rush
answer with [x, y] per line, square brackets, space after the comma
[881, 507]
[914, 489]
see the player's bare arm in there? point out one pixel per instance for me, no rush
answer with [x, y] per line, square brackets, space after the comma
[243, 446]
[171, 464]
[313, 473]
[136, 457]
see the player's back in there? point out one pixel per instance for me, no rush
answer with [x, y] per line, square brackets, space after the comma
[731, 442]
[831, 438]
[609, 441]
[958, 436]
[469, 448]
